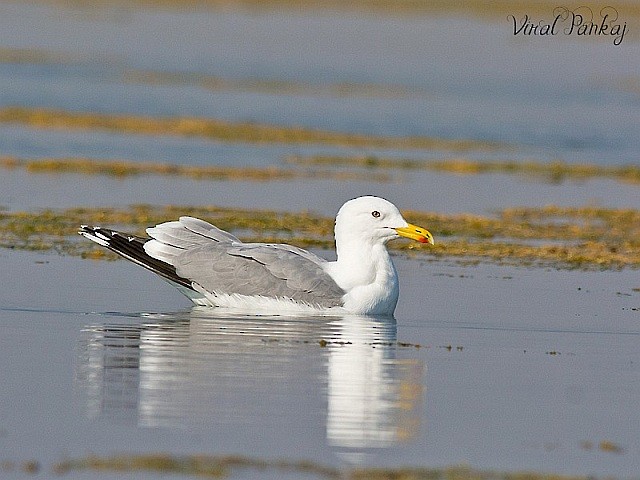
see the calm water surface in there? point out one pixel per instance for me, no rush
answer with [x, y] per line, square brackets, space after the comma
[478, 371]
[560, 99]
[416, 191]
[496, 367]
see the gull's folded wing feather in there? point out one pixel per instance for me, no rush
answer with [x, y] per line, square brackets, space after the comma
[207, 230]
[259, 269]
[189, 232]
[171, 239]
[217, 262]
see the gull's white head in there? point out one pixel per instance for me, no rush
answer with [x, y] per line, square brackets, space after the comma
[374, 220]
[364, 268]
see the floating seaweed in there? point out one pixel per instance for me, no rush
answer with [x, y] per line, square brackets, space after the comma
[586, 237]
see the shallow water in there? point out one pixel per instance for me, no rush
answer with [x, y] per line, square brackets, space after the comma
[422, 191]
[496, 367]
[496, 378]
[473, 78]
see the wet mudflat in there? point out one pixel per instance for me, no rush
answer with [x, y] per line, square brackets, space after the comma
[491, 365]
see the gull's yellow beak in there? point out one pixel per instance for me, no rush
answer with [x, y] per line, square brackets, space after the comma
[418, 234]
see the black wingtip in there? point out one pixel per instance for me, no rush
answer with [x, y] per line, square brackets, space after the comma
[131, 247]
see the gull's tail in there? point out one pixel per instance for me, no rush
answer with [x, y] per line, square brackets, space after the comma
[131, 247]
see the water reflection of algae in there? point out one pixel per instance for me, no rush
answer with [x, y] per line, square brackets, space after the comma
[193, 371]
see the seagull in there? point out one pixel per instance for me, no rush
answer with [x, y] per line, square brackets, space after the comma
[214, 268]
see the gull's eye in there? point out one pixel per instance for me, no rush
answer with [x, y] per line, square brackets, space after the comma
[375, 214]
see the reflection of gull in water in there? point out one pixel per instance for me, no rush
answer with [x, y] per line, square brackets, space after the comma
[214, 268]
[196, 371]
[374, 398]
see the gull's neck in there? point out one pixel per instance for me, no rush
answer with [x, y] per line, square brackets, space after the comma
[365, 271]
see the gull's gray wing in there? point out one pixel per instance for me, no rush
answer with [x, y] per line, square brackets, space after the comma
[189, 232]
[277, 271]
